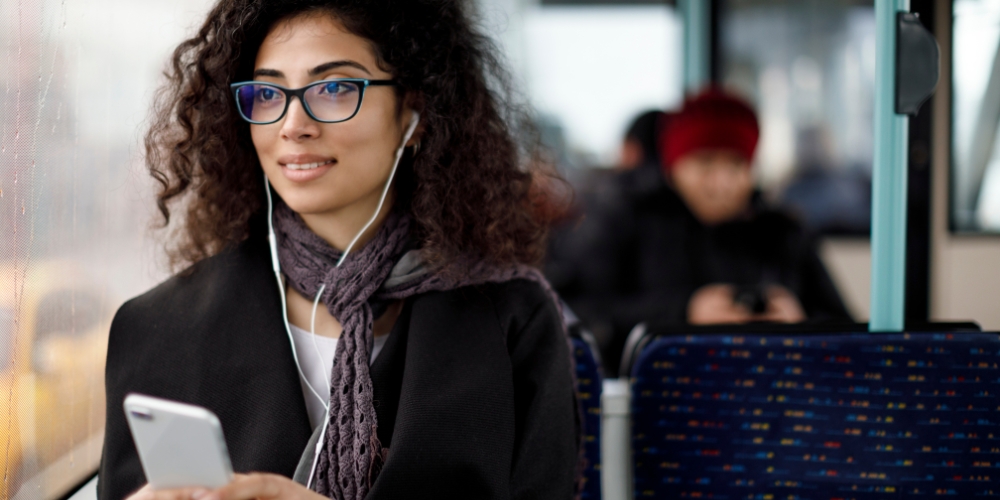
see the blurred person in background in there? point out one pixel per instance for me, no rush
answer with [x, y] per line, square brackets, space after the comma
[705, 248]
[291, 138]
[584, 234]
[640, 156]
[639, 146]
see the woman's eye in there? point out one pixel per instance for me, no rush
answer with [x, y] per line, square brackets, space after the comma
[268, 95]
[334, 89]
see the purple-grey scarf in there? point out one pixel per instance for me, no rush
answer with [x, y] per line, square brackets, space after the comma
[384, 270]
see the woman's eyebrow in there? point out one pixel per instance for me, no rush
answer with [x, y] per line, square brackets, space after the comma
[318, 70]
[268, 72]
[323, 68]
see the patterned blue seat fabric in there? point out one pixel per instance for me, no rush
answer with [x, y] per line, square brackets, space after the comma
[588, 381]
[852, 416]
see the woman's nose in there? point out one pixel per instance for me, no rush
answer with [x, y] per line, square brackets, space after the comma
[298, 125]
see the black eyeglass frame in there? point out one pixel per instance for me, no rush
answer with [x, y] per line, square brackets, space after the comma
[363, 83]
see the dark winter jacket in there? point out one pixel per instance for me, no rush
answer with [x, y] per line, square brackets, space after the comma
[473, 388]
[647, 254]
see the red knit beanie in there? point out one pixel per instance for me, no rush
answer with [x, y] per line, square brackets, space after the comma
[712, 119]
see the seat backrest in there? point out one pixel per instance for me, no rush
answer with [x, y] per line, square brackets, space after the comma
[817, 416]
[588, 382]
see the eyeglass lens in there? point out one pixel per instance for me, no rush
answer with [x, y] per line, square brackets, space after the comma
[327, 101]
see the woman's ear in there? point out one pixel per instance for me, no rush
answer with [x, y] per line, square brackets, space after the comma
[413, 103]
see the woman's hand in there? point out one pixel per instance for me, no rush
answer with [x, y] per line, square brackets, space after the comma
[148, 493]
[242, 487]
[263, 487]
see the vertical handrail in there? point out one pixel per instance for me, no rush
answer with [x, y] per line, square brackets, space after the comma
[697, 39]
[888, 179]
[616, 439]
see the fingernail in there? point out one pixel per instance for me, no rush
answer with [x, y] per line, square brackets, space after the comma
[196, 494]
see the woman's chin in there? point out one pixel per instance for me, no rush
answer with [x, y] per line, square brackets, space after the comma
[305, 203]
[310, 207]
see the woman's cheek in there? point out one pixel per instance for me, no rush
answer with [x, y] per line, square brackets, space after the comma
[263, 143]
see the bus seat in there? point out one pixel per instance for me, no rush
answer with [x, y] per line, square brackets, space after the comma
[852, 415]
[588, 389]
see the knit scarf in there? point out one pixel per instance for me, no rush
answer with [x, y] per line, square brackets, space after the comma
[384, 270]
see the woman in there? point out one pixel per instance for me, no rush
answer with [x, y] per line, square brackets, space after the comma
[351, 196]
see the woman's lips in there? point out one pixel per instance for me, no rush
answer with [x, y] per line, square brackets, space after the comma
[305, 172]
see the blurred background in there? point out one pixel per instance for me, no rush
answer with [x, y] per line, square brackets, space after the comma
[76, 204]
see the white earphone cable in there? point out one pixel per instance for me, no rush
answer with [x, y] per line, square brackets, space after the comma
[385, 190]
[276, 266]
[273, 243]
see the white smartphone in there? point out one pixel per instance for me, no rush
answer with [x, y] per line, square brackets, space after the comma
[180, 445]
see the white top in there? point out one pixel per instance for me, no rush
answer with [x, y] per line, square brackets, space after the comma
[311, 360]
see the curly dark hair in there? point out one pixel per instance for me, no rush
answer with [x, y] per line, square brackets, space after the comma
[470, 187]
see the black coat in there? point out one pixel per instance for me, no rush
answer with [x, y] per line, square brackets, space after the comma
[473, 388]
[644, 254]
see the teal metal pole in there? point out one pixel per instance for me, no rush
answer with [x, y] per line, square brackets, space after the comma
[888, 179]
[697, 27]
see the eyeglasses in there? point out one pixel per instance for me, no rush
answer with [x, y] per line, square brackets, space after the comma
[327, 101]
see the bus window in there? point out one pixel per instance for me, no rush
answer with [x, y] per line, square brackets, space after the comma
[67, 312]
[809, 67]
[6, 349]
[975, 202]
[570, 53]
[74, 201]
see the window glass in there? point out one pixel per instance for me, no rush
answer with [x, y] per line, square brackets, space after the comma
[808, 66]
[6, 348]
[589, 70]
[976, 104]
[76, 85]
